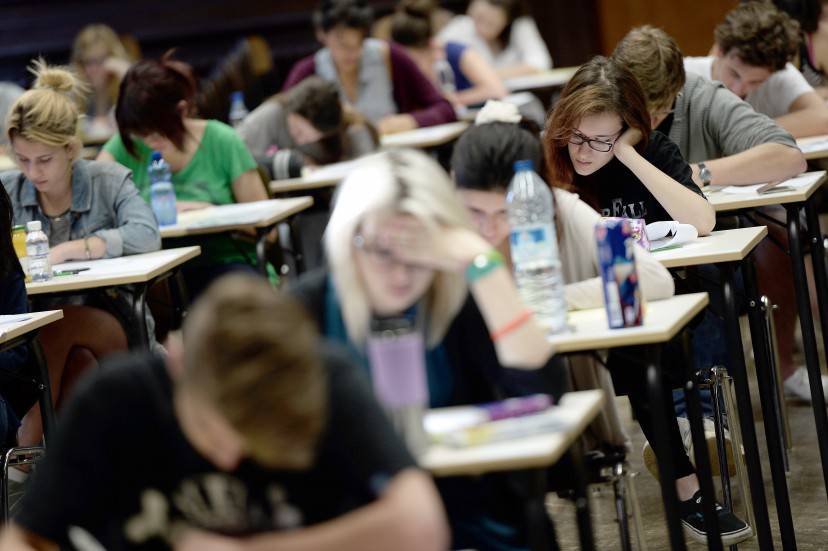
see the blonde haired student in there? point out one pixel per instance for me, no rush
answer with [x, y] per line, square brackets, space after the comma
[408, 249]
[88, 209]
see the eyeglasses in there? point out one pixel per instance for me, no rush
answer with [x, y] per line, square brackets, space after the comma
[598, 145]
[382, 258]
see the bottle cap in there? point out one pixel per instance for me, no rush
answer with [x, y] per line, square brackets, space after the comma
[156, 156]
[19, 227]
[525, 164]
[237, 96]
[34, 225]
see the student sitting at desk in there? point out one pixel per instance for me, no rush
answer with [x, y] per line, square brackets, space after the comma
[812, 58]
[482, 167]
[728, 143]
[507, 37]
[377, 78]
[754, 46]
[12, 301]
[254, 436]
[464, 76]
[307, 125]
[210, 163]
[599, 143]
[403, 251]
[88, 209]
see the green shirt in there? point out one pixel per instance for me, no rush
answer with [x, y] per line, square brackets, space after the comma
[221, 157]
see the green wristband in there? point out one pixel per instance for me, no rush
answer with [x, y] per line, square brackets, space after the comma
[482, 264]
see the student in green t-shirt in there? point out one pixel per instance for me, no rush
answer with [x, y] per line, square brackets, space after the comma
[210, 163]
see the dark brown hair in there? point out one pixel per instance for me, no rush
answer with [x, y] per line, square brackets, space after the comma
[149, 99]
[8, 258]
[600, 86]
[759, 34]
[352, 14]
[656, 61]
[411, 23]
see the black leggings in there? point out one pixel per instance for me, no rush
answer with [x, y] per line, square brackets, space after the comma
[629, 376]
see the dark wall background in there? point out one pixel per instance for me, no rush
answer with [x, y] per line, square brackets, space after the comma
[204, 30]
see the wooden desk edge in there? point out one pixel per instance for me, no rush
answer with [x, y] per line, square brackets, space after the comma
[715, 258]
[299, 184]
[72, 285]
[597, 398]
[800, 196]
[40, 319]
[302, 203]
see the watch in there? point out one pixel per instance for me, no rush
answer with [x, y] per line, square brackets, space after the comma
[704, 174]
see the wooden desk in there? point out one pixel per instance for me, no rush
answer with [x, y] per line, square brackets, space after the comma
[719, 246]
[543, 450]
[321, 178]
[424, 138]
[663, 319]
[803, 186]
[11, 331]
[24, 333]
[799, 202]
[263, 216]
[554, 78]
[139, 271]
[814, 147]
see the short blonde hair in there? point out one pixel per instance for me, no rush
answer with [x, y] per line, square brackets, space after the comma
[405, 181]
[656, 61]
[48, 113]
[253, 354]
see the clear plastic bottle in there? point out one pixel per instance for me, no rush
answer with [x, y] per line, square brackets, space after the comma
[238, 110]
[534, 247]
[162, 193]
[37, 250]
[448, 85]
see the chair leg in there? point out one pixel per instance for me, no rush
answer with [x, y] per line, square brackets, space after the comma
[12, 458]
[767, 310]
[635, 509]
[619, 488]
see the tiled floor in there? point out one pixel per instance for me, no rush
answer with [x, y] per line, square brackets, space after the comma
[808, 497]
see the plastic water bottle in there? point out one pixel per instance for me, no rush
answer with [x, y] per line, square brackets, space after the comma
[37, 250]
[448, 85]
[238, 111]
[162, 194]
[534, 247]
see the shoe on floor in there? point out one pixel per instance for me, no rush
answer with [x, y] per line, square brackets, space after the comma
[687, 438]
[797, 386]
[732, 528]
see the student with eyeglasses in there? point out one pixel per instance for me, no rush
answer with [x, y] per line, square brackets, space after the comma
[600, 144]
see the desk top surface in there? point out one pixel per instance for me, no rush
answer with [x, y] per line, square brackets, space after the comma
[429, 136]
[17, 325]
[795, 190]
[579, 409]
[552, 78]
[814, 147]
[663, 319]
[224, 218]
[719, 246]
[109, 272]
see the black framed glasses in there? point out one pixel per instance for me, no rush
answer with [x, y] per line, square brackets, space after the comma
[601, 146]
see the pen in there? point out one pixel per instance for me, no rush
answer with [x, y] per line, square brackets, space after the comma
[74, 271]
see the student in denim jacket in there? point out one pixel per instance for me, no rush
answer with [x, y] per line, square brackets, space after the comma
[88, 209]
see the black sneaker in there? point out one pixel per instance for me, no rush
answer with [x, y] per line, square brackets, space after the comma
[733, 529]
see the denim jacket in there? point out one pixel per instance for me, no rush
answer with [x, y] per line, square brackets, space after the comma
[105, 204]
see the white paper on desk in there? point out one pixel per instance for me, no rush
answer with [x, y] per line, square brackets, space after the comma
[333, 171]
[11, 319]
[811, 145]
[801, 181]
[235, 213]
[423, 135]
[669, 234]
[122, 265]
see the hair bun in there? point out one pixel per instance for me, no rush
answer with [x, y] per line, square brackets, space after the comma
[56, 78]
[418, 8]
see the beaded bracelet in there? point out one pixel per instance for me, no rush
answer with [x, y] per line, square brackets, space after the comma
[482, 264]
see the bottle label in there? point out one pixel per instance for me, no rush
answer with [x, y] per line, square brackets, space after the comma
[533, 243]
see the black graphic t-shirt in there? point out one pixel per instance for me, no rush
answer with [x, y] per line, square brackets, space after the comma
[121, 470]
[619, 192]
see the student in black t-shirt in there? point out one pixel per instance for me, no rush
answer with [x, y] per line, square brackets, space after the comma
[599, 143]
[250, 438]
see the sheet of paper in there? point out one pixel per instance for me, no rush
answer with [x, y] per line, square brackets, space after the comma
[8, 319]
[237, 213]
[809, 145]
[669, 234]
[334, 171]
[797, 182]
[424, 135]
[124, 265]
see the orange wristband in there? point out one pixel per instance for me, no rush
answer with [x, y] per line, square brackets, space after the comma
[519, 320]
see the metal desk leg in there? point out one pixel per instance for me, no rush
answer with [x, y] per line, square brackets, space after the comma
[770, 414]
[536, 515]
[296, 245]
[261, 250]
[806, 322]
[47, 410]
[703, 472]
[139, 310]
[582, 511]
[739, 373]
[666, 472]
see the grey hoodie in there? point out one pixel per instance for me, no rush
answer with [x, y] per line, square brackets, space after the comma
[710, 122]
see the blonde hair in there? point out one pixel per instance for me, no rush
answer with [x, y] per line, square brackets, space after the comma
[403, 181]
[48, 113]
[94, 35]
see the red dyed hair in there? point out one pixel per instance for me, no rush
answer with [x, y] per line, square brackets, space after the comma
[600, 86]
[149, 98]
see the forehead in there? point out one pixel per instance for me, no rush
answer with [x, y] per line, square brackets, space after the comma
[346, 35]
[487, 201]
[754, 72]
[28, 148]
[601, 124]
